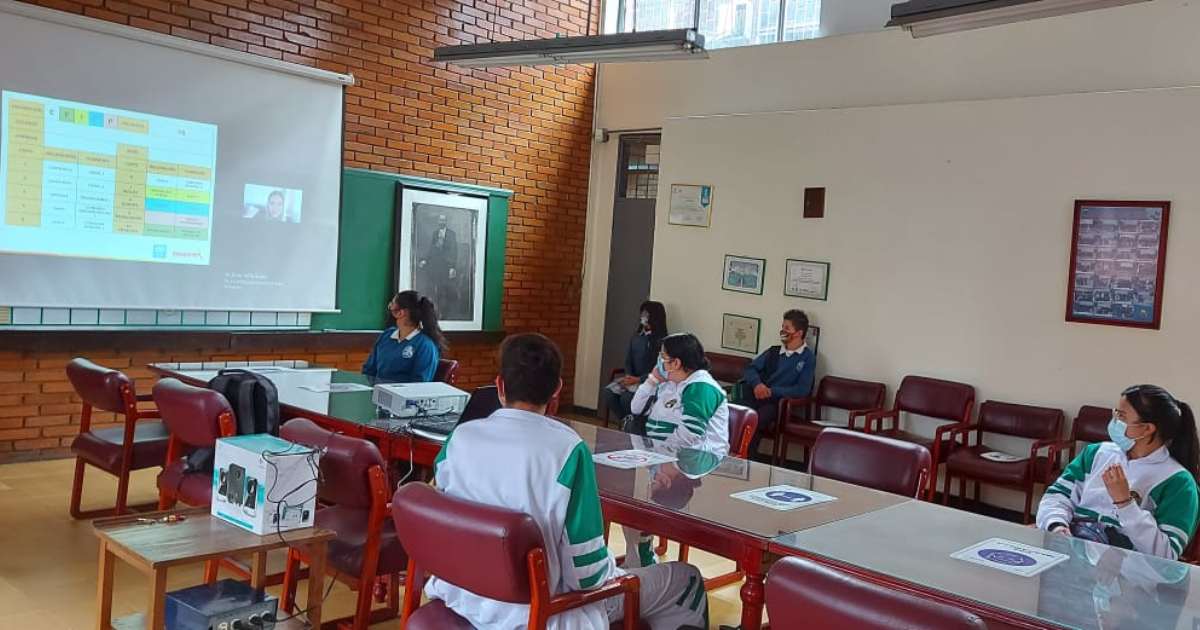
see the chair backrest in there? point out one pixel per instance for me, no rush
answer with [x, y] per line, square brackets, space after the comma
[484, 401]
[742, 423]
[1027, 421]
[726, 368]
[446, 372]
[1091, 425]
[803, 594]
[101, 387]
[850, 394]
[871, 460]
[192, 414]
[345, 462]
[481, 548]
[935, 398]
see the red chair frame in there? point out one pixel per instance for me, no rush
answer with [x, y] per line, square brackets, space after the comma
[365, 582]
[1089, 412]
[228, 428]
[812, 406]
[129, 404]
[446, 372]
[943, 434]
[1054, 464]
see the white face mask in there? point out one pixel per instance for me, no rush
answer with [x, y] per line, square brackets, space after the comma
[1116, 433]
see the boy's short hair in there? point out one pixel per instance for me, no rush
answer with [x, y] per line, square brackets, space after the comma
[799, 321]
[531, 368]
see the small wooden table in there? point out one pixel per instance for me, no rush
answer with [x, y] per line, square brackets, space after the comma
[152, 548]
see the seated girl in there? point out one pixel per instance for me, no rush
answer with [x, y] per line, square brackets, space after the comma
[407, 352]
[1137, 491]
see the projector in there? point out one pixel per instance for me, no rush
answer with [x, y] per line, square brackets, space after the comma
[409, 400]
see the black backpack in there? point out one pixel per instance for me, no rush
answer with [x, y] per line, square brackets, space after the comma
[255, 404]
[253, 397]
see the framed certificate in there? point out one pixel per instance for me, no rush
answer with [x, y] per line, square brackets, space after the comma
[691, 204]
[1118, 258]
[743, 274]
[807, 279]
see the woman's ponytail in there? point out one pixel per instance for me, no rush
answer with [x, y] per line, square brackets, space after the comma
[1174, 420]
[429, 323]
[1184, 447]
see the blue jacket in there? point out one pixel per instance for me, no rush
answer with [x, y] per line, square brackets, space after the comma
[793, 376]
[412, 360]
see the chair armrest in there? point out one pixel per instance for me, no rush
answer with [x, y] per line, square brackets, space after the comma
[145, 397]
[1055, 447]
[964, 430]
[786, 404]
[874, 417]
[855, 413]
[625, 584]
[148, 414]
[949, 431]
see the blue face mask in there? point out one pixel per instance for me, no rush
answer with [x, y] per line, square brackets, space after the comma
[660, 367]
[1116, 433]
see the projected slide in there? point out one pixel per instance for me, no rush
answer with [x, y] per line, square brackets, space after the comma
[96, 182]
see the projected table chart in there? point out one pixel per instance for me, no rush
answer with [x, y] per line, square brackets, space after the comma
[82, 180]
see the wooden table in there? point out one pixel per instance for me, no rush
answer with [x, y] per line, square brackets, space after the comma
[152, 548]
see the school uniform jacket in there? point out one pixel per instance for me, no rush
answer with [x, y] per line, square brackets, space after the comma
[693, 413]
[1161, 522]
[526, 462]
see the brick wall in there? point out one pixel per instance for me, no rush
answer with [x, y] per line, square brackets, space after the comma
[524, 129]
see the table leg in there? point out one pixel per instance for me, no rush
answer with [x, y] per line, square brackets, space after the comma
[258, 570]
[156, 611]
[104, 588]
[753, 591]
[316, 582]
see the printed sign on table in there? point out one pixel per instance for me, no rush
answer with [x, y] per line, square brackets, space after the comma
[631, 458]
[783, 497]
[1010, 557]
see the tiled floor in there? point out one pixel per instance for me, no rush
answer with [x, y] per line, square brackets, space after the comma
[48, 561]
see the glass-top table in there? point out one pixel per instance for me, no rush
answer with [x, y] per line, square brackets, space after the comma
[1098, 587]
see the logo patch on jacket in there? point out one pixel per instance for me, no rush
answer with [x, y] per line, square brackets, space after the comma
[671, 404]
[408, 352]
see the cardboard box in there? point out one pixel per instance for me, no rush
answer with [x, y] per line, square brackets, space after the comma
[264, 484]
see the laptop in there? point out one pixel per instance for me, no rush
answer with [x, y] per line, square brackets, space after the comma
[483, 402]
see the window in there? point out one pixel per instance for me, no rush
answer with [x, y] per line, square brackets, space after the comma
[725, 23]
[639, 167]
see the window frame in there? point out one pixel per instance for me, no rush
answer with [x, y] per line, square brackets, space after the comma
[629, 7]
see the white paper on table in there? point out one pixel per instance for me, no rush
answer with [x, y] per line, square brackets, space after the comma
[336, 388]
[1010, 557]
[783, 497]
[617, 388]
[631, 458]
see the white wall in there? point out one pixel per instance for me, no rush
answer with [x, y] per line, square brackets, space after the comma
[1137, 46]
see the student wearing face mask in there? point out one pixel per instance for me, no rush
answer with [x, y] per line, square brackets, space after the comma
[783, 371]
[640, 358]
[1137, 491]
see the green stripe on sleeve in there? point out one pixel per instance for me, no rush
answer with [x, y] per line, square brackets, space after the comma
[1177, 507]
[594, 579]
[683, 598]
[590, 558]
[697, 598]
[701, 400]
[584, 521]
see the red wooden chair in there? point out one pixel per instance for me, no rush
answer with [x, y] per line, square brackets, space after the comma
[726, 368]
[493, 552]
[948, 401]
[871, 461]
[139, 444]
[801, 593]
[196, 417]
[1043, 425]
[353, 489]
[1091, 425]
[446, 372]
[857, 398]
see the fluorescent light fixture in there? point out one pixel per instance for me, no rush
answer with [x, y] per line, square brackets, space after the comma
[615, 48]
[935, 17]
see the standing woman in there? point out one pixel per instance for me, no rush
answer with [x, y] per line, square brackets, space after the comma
[408, 352]
[1137, 491]
[640, 358]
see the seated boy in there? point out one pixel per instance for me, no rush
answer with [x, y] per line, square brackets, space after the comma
[521, 460]
[783, 371]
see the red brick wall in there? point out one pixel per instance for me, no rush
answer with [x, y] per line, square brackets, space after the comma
[527, 130]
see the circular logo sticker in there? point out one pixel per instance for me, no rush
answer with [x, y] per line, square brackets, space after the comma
[407, 352]
[629, 458]
[787, 496]
[1010, 558]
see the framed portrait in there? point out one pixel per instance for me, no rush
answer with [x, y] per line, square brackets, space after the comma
[740, 333]
[1118, 258]
[440, 252]
[743, 274]
[691, 204]
[807, 279]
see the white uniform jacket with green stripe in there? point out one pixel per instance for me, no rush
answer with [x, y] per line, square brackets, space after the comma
[540, 466]
[692, 413]
[1161, 522]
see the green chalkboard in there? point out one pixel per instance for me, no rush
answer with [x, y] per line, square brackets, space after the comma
[366, 249]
